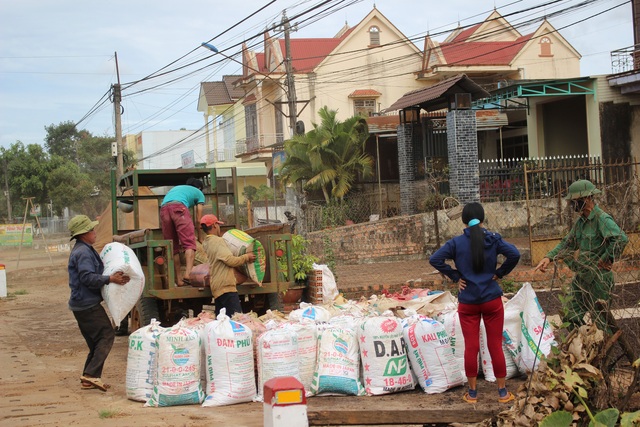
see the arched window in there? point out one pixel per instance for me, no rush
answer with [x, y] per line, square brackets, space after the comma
[545, 46]
[374, 36]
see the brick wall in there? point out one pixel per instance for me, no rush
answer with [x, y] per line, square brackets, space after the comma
[391, 239]
[462, 143]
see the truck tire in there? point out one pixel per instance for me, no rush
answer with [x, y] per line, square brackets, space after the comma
[145, 309]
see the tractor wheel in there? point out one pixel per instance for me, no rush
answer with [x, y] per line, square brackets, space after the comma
[145, 309]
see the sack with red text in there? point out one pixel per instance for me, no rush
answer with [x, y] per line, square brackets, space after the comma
[384, 360]
[229, 353]
[431, 354]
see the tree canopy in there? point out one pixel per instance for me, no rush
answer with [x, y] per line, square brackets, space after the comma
[71, 170]
[329, 157]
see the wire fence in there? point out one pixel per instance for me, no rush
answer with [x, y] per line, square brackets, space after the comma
[524, 202]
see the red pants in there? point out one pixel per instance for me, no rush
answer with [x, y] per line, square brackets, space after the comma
[177, 226]
[492, 313]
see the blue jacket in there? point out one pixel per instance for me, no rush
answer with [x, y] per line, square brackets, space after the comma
[85, 277]
[480, 286]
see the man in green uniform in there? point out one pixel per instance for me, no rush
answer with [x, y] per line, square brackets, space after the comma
[600, 243]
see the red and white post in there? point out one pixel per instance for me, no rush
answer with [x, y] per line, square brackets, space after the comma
[285, 403]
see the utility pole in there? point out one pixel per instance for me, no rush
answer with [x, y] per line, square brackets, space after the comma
[291, 87]
[117, 98]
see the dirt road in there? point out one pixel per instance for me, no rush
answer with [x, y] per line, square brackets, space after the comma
[42, 354]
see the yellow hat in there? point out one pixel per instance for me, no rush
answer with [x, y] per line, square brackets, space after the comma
[80, 224]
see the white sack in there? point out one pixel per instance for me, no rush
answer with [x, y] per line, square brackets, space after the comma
[384, 359]
[431, 354]
[141, 361]
[329, 287]
[451, 322]
[178, 374]
[523, 329]
[277, 356]
[310, 312]
[230, 371]
[338, 369]
[120, 299]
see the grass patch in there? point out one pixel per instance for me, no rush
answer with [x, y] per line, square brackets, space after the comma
[110, 413]
[18, 292]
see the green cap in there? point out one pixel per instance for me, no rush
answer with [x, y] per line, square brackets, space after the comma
[80, 224]
[581, 188]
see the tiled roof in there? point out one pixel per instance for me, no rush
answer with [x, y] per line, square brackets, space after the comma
[434, 97]
[261, 67]
[221, 93]
[465, 34]
[380, 124]
[308, 53]
[234, 93]
[364, 93]
[482, 53]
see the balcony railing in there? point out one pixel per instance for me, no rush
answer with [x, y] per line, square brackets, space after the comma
[258, 142]
[223, 155]
[625, 59]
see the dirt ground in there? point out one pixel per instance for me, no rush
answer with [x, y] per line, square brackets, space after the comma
[43, 353]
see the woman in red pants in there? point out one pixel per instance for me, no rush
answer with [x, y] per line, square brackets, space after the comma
[475, 254]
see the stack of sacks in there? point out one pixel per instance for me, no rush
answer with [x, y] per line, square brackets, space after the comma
[341, 348]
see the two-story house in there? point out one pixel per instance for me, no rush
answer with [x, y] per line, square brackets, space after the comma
[361, 70]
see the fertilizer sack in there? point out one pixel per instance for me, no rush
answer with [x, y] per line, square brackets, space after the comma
[120, 299]
[141, 361]
[431, 354]
[241, 243]
[177, 379]
[384, 359]
[527, 334]
[229, 354]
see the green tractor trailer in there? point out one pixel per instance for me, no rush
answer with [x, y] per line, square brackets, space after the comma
[135, 212]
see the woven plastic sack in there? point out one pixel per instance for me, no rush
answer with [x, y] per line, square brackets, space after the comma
[229, 352]
[338, 369]
[241, 243]
[142, 361]
[384, 358]
[120, 299]
[178, 373]
[431, 354]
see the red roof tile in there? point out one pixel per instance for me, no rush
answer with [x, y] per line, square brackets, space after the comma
[367, 93]
[483, 53]
[308, 53]
[465, 34]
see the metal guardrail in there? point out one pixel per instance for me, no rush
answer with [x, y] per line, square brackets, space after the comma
[625, 59]
[257, 142]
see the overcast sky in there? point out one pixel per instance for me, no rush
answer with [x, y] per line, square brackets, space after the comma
[57, 56]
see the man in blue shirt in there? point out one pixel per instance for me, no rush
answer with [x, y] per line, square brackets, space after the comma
[177, 225]
[86, 281]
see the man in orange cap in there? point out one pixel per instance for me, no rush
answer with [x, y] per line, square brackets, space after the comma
[221, 265]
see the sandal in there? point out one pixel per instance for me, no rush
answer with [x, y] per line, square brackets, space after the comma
[471, 396]
[84, 385]
[507, 398]
[94, 382]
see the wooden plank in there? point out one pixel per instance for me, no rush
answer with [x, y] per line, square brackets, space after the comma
[405, 416]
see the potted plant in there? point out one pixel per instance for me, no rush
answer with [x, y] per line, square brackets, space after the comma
[302, 264]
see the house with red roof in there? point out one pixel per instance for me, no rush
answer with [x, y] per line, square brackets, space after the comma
[361, 70]
[494, 54]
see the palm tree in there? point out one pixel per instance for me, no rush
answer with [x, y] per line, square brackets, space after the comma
[329, 157]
